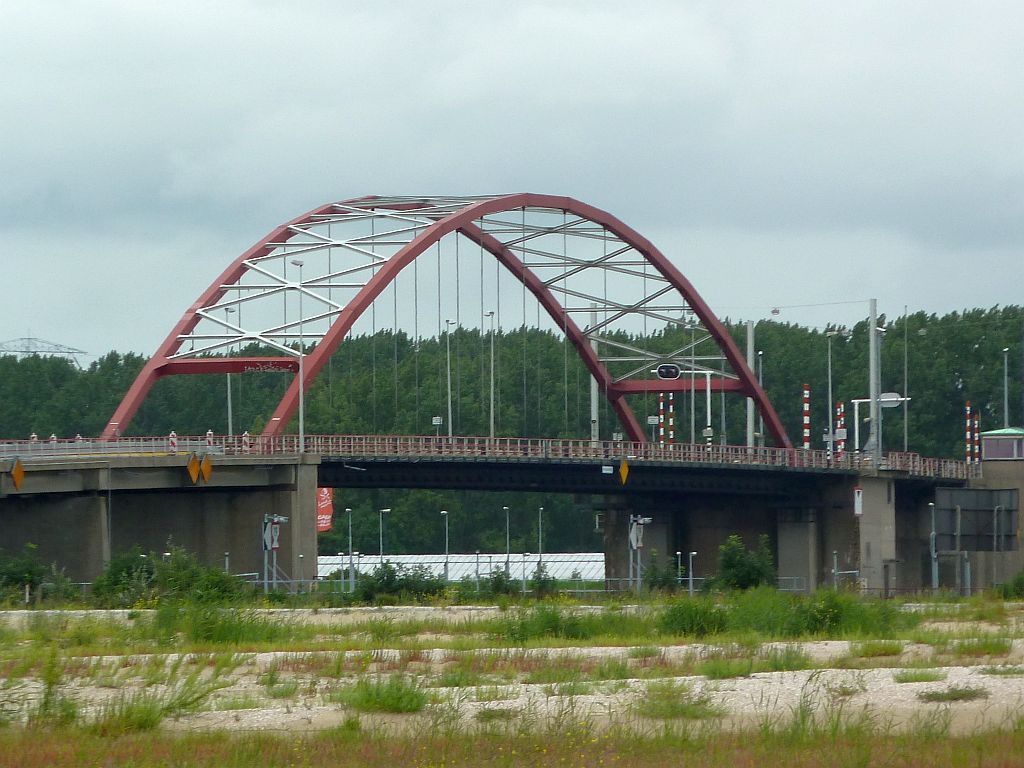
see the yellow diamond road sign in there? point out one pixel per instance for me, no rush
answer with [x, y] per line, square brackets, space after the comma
[17, 474]
[624, 471]
[193, 468]
[206, 468]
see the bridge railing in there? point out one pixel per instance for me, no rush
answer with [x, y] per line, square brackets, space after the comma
[504, 448]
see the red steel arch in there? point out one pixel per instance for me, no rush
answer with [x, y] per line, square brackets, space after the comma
[459, 220]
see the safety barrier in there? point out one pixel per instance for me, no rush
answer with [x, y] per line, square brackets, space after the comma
[499, 448]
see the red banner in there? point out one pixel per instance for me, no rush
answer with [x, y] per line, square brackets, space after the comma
[324, 509]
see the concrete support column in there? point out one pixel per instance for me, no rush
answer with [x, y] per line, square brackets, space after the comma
[877, 531]
[798, 548]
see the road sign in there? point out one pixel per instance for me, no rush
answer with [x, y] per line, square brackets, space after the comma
[624, 471]
[652, 421]
[193, 467]
[435, 421]
[668, 371]
[206, 468]
[17, 474]
[271, 536]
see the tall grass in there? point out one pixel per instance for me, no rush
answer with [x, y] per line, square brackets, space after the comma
[395, 693]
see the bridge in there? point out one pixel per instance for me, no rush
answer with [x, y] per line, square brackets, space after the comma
[430, 267]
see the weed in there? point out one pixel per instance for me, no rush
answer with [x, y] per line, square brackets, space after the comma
[644, 652]
[496, 714]
[920, 675]
[788, 658]
[669, 700]
[722, 668]
[872, 649]
[571, 688]
[983, 646]
[493, 693]
[234, 703]
[954, 693]
[393, 694]
[145, 710]
[1003, 670]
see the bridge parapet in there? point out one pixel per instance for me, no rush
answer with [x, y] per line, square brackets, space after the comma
[499, 448]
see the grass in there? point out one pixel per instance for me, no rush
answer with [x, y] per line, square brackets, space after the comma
[722, 668]
[954, 693]
[396, 693]
[496, 715]
[873, 649]
[669, 700]
[920, 675]
[351, 746]
[983, 646]
[1003, 670]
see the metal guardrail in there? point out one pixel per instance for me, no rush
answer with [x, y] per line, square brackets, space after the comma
[502, 448]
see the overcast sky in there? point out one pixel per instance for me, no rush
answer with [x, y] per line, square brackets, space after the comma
[780, 153]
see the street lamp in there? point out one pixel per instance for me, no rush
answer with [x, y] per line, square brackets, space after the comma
[540, 535]
[508, 544]
[679, 566]
[689, 573]
[933, 550]
[760, 383]
[231, 428]
[444, 514]
[831, 421]
[1006, 387]
[381, 531]
[491, 315]
[448, 347]
[302, 378]
[351, 573]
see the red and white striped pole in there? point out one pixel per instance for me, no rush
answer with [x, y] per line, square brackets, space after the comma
[977, 438]
[661, 417]
[671, 417]
[807, 417]
[840, 424]
[968, 442]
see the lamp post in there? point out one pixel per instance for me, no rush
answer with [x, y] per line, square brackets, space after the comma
[933, 550]
[491, 315]
[1006, 387]
[508, 544]
[302, 355]
[444, 514]
[380, 530]
[448, 348]
[760, 383]
[231, 426]
[689, 573]
[351, 573]
[679, 567]
[828, 405]
[540, 535]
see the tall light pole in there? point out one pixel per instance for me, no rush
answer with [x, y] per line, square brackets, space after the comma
[760, 383]
[828, 406]
[540, 535]
[491, 315]
[1006, 387]
[351, 573]
[302, 355]
[679, 566]
[381, 531]
[933, 551]
[444, 514]
[508, 543]
[689, 573]
[231, 425]
[448, 347]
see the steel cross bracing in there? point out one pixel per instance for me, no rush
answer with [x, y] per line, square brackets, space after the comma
[353, 255]
[623, 306]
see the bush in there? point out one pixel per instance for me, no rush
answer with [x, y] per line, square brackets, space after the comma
[740, 568]
[133, 578]
[658, 577]
[699, 617]
[18, 570]
[543, 584]
[389, 582]
[1013, 589]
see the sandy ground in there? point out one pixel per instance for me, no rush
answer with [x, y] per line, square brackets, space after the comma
[758, 700]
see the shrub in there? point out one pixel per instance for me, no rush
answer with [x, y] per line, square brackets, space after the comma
[740, 568]
[18, 570]
[694, 618]
[542, 584]
[658, 577]
[126, 581]
[390, 582]
[666, 700]
[133, 578]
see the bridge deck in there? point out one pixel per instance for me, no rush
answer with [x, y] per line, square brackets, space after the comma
[510, 449]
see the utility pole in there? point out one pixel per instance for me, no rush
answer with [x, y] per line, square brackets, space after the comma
[750, 400]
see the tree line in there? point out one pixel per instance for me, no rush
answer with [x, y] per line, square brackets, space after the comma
[391, 383]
